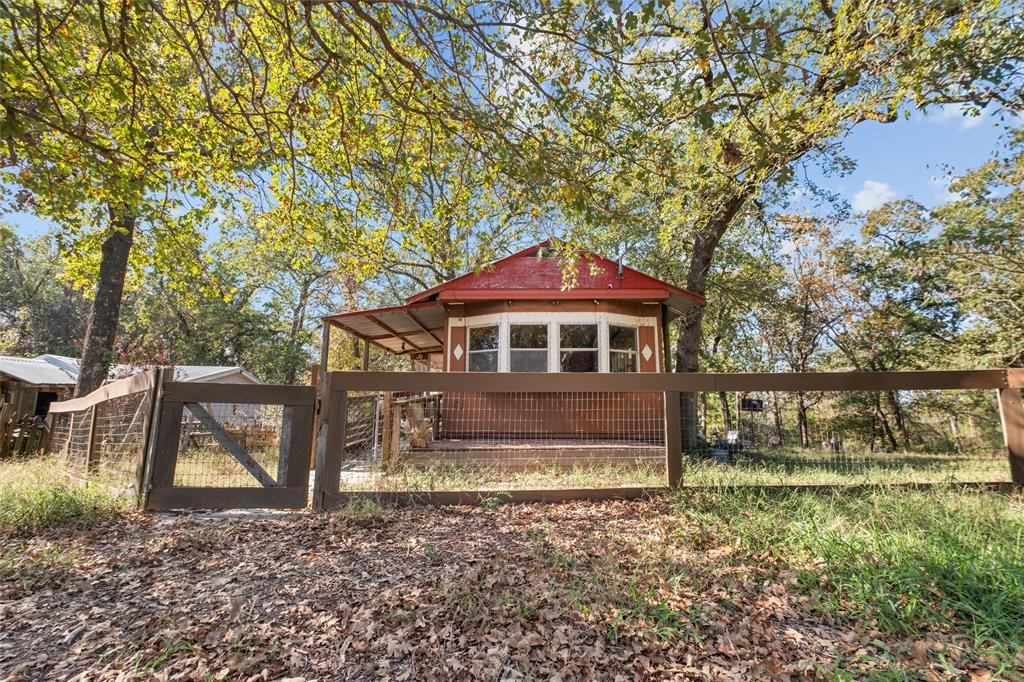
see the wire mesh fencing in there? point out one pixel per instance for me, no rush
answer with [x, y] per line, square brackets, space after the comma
[500, 440]
[849, 437]
[224, 445]
[104, 442]
[459, 440]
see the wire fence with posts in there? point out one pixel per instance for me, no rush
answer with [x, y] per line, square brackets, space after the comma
[465, 437]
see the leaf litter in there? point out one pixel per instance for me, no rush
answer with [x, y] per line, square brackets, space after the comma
[574, 591]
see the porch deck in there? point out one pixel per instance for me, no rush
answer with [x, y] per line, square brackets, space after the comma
[531, 453]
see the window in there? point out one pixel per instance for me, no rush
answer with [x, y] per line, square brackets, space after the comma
[578, 347]
[622, 355]
[483, 349]
[528, 347]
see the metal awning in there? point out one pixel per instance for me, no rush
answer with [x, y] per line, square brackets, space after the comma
[403, 329]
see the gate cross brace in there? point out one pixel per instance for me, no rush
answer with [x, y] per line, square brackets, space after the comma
[233, 447]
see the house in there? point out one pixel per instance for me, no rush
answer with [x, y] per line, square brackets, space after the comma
[29, 385]
[515, 316]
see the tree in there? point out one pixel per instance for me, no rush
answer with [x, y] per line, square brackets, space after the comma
[39, 312]
[697, 113]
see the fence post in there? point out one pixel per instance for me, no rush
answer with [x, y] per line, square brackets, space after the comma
[673, 439]
[330, 445]
[1011, 414]
[92, 451]
[150, 428]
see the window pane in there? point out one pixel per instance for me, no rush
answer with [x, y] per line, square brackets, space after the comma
[579, 336]
[579, 360]
[622, 362]
[529, 360]
[483, 338]
[621, 338]
[528, 335]
[483, 361]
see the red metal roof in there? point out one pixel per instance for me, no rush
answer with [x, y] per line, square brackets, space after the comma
[526, 275]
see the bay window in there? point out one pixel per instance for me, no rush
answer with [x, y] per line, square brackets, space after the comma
[622, 349]
[483, 349]
[578, 348]
[528, 347]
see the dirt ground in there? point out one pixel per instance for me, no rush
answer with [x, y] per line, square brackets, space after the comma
[560, 592]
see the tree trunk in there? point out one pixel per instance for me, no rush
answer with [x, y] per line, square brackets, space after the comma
[291, 372]
[801, 420]
[723, 401]
[101, 328]
[778, 417]
[901, 421]
[688, 344]
[883, 422]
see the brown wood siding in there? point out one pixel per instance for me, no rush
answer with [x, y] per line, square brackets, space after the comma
[648, 337]
[458, 339]
[625, 416]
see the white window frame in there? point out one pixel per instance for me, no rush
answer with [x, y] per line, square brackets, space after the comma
[635, 353]
[553, 320]
[469, 352]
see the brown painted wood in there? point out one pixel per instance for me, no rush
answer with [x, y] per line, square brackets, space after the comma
[165, 452]
[115, 389]
[330, 447]
[1011, 414]
[478, 497]
[673, 439]
[242, 394]
[460, 497]
[227, 498]
[648, 336]
[458, 338]
[660, 382]
[92, 451]
[299, 445]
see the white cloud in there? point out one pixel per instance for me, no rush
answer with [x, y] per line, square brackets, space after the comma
[872, 195]
[941, 185]
[965, 115]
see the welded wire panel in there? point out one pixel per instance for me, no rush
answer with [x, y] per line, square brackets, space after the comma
[240, 448]
[776, 438]
[119, 440]
[504, 440]
[69, 441]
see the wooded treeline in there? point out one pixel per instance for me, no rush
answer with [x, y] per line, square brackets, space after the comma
[219, 175]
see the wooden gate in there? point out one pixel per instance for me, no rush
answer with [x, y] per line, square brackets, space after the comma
[194, 441]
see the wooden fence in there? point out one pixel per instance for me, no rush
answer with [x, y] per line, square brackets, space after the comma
[335, 387]
[158, 407]
[21, 436]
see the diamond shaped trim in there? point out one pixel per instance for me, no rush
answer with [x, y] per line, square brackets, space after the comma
[457, 352]
[646, 352]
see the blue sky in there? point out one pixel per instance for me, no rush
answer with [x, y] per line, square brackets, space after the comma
[914, 157]
[911, 157]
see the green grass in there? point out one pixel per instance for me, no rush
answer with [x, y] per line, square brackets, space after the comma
[781, 467]
[35, 494]
[907, 562]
